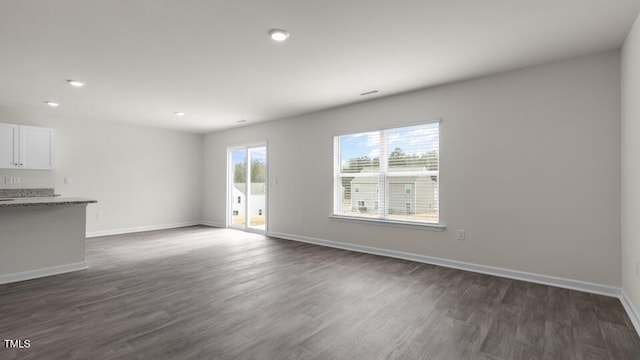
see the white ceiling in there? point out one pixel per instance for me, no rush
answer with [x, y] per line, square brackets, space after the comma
[143, 60]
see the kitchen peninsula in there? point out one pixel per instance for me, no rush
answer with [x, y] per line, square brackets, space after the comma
[41, 234]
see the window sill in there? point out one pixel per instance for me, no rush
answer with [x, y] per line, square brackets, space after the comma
[394, 223]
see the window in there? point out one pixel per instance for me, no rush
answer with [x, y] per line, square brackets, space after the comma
[235, 212]
[395, 169]
[259, 212]
[239, 199]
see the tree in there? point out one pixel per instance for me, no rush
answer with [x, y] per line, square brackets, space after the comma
[398, 158]
[258, 172]
[240, 173]
[428, 161]
[355, 165]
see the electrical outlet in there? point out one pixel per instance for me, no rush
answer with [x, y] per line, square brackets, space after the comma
[16, 180]
[301, 218]
[99, 215]
[461, 234]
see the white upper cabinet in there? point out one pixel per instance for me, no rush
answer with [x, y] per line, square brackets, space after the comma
[36, 146]
[26, 147]
[9, 158]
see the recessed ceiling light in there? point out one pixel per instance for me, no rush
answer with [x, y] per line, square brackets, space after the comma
[241, 120]
[278, 34]
[51, 103]
[75, 83]
[179, 113]
[369, 93]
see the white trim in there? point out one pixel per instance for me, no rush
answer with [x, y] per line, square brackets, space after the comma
[631, 310]
[38, 273]
[92, 234]
[387, 222]
[483, 269]
[229, 198]
[212, 224]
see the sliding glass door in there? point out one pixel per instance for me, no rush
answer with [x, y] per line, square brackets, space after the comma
[247, 191]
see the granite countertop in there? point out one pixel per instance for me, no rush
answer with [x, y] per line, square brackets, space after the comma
[37, 197]
[39, 201]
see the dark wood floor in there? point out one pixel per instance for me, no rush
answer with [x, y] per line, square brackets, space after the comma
[204, 293]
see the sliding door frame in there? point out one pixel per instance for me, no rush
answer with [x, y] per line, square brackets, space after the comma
[229, 190]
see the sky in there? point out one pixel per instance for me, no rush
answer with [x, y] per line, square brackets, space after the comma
[418, 139]
[239, 156]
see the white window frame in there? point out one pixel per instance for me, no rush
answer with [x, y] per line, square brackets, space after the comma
[383, 175]
[231, 199]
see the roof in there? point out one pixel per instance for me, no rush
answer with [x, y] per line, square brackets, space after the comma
[256, 188]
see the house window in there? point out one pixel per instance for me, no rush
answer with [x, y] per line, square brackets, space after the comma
[384, 166]
[235, 212]
[260, 212]
[239, 199]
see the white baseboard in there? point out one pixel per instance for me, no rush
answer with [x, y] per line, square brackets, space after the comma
[212, 223]
[631, 310]
[38, 273]
[483, 269]
[91, 234]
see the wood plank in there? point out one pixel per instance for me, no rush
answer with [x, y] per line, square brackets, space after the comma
[200, 292]
[622, 343]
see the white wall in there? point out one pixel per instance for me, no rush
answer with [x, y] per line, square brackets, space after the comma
[630, 151]
[140, 176]
[530, 169]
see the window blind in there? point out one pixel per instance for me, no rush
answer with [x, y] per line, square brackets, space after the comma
[388, 174]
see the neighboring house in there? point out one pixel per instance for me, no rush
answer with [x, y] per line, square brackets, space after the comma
[257, 199]
[407, 195]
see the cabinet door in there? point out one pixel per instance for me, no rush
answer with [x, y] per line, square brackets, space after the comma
[36, 148]
[9, 146]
